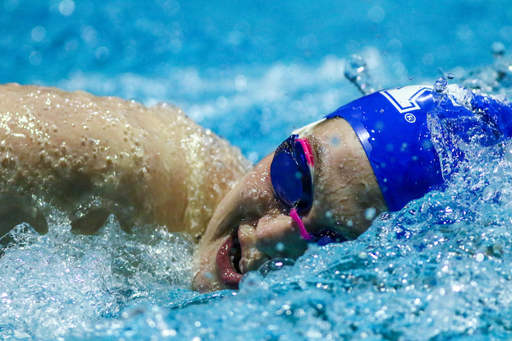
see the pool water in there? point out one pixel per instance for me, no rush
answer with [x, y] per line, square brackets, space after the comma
[438, 269]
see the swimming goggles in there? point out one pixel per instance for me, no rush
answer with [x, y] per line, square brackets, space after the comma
[291, 174]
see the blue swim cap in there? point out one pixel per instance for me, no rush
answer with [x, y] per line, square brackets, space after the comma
[392, 127]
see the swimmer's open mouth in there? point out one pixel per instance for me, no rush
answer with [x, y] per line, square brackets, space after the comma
[228, 260]
[235, 253]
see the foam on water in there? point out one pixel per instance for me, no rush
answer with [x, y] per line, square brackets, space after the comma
[57, 282]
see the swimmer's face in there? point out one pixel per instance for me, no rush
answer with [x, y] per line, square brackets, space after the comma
[251, 226]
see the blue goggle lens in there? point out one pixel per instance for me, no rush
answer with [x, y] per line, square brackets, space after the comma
[290, 175]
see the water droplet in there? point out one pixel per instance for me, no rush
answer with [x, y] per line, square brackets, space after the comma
[334, 140]
[488, 193]
[498, 49]
[275, 264]
[508, 153]
[370, 213]
[167, 332]
[63, 163]
[440, 85]
[66, 7]
[356, 71]
[240, 83]
[450, 76]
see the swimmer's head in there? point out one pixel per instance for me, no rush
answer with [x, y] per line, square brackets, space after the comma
[327, 182]
[253, 222]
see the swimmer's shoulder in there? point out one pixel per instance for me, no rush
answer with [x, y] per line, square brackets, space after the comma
[154, 160]
[72, 148]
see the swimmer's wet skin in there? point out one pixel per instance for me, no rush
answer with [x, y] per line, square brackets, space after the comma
[329, 180]
[94, 156]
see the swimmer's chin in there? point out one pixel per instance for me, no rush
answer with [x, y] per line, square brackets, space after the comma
[205, 270]
[204, 281]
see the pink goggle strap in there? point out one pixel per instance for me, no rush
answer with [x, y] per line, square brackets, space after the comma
[307, 151]
[311, 163]
[303, 233]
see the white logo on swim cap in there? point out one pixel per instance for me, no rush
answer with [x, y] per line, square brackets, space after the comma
[410, 118]
[404, 99]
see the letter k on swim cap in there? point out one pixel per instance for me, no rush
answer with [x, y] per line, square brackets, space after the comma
[392, 127]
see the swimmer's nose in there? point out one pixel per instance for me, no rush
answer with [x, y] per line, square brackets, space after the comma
[279, 236]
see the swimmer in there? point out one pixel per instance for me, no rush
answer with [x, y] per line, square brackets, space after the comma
[94, 156]
[330, 179]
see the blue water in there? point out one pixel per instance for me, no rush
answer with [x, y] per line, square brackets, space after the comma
[251, 71]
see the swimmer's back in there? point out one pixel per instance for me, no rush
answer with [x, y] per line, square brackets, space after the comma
[93, 156]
